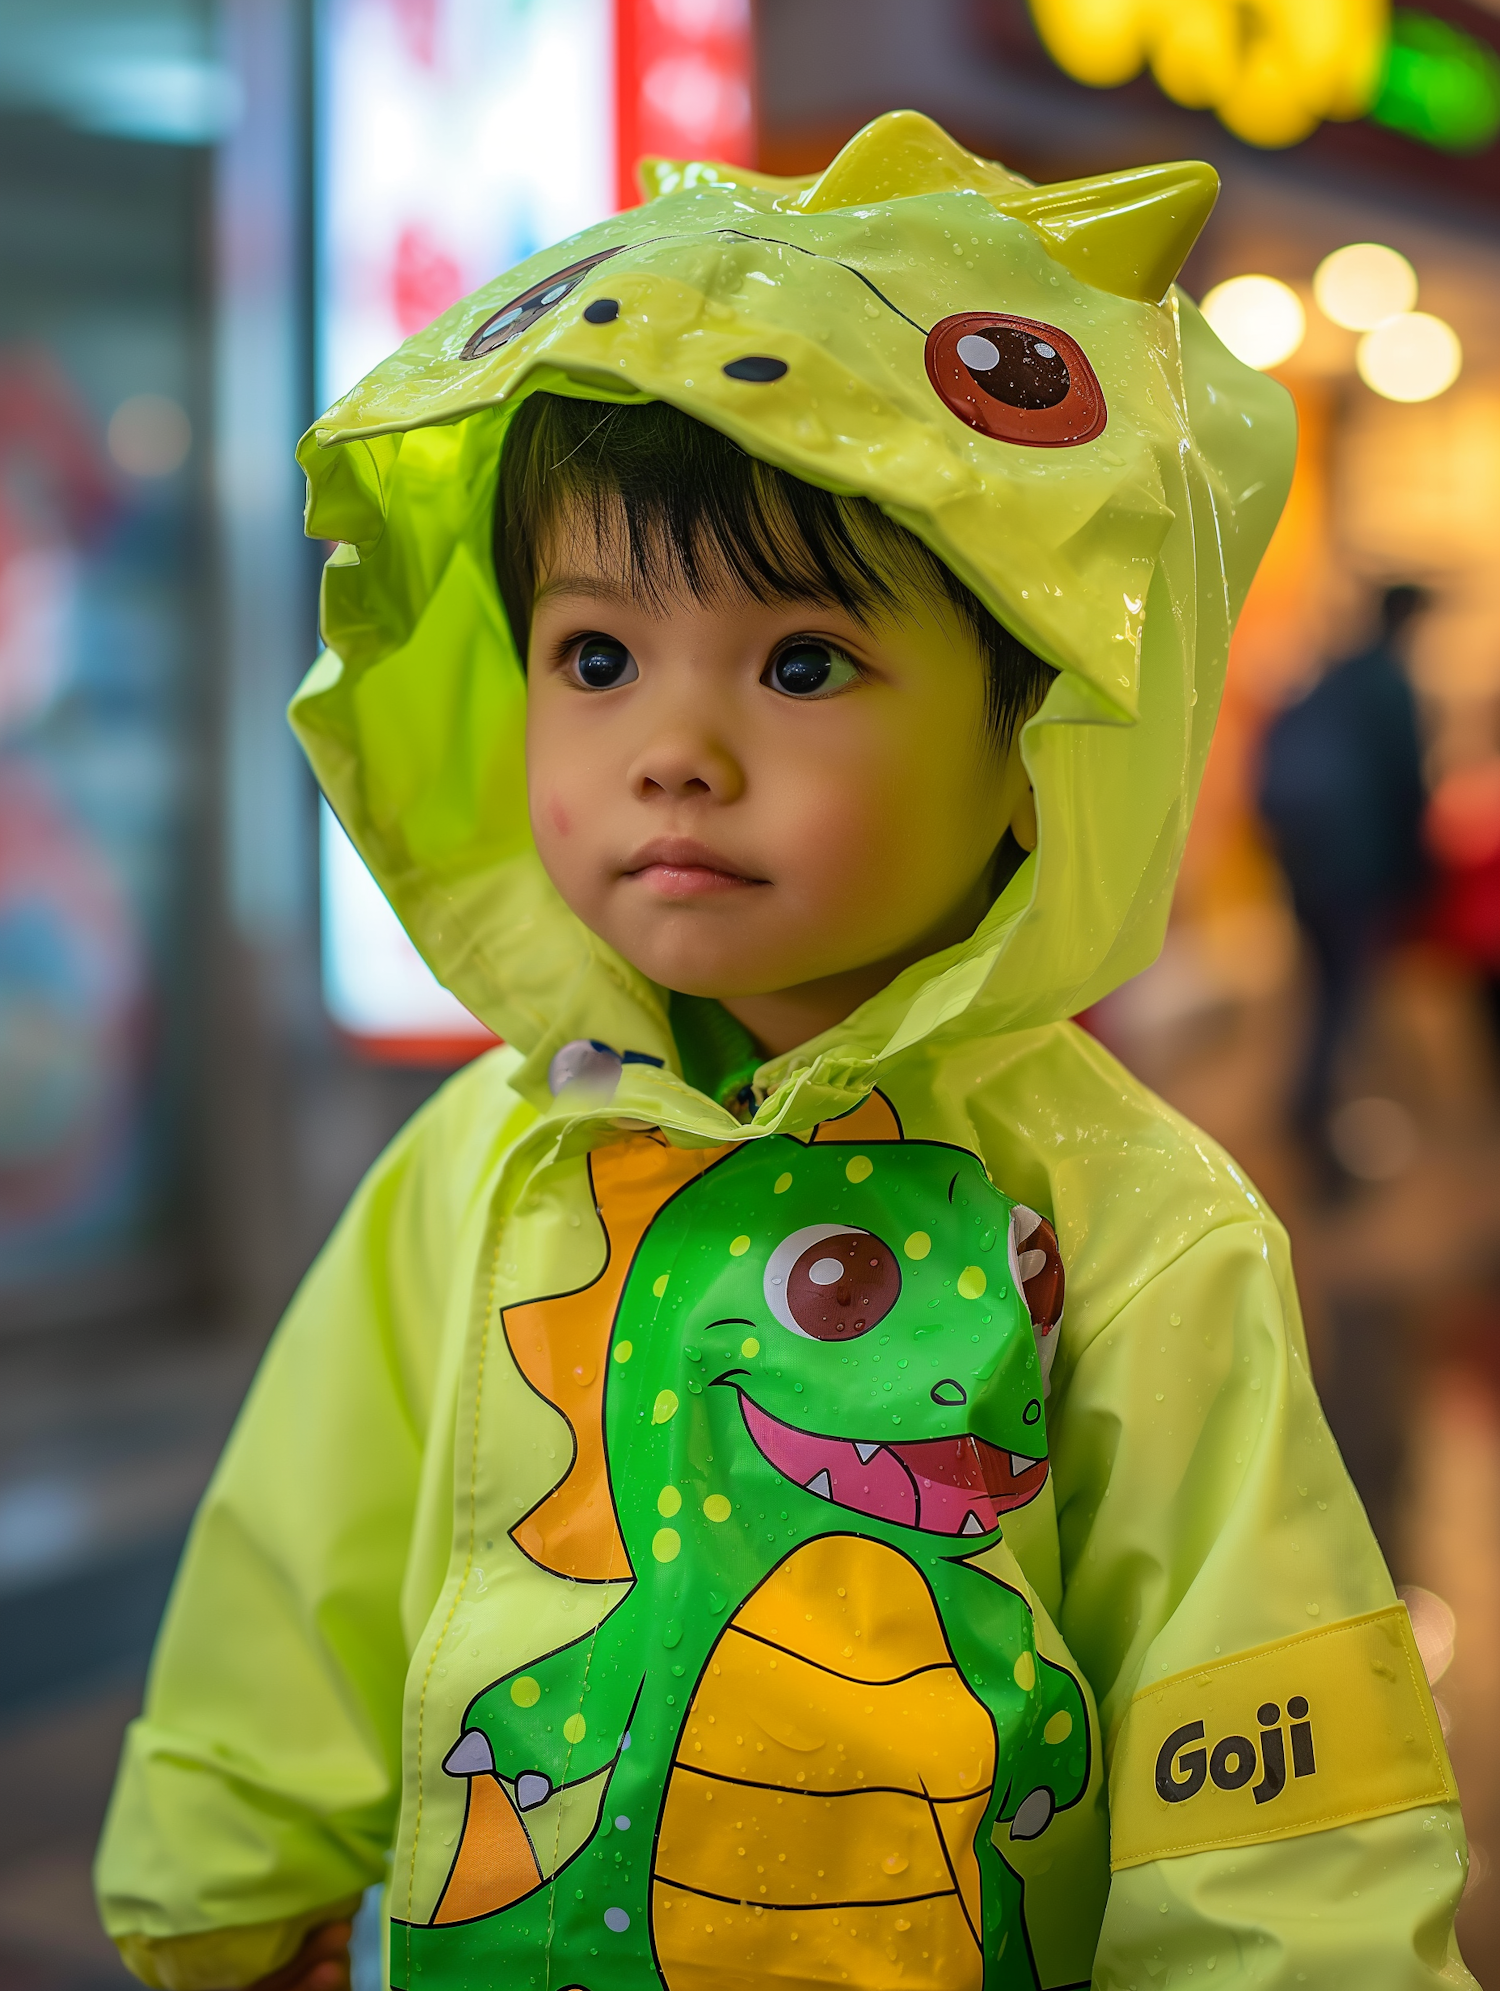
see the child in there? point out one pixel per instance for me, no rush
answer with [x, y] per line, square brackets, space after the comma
[677, 1513]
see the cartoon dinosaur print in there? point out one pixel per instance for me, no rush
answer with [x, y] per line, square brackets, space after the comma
[797, 1748]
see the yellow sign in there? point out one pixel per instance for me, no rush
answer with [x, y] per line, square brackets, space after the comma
[1318, 1730]
[1271, 69]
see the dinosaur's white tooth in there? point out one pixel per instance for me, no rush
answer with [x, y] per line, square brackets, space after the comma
[532, 1789]
[973, 1525]
[1019, 1463]
[821, 1485]
[866, 1452]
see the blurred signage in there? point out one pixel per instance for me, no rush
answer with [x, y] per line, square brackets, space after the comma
[456, 137]
[1273, 70]
[682, 84]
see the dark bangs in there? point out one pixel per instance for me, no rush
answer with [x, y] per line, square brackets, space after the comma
[702, 517]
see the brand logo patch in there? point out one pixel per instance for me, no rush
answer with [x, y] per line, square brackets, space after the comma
[1314, 1731]
[1182, 1771]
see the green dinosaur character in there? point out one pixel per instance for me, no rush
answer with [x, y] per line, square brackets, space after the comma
[812, 1720]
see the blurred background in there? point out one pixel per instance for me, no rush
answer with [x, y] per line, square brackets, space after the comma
[214, 216]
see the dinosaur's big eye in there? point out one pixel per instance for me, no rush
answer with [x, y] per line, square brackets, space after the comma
[1016, 379]
[522, 312]
[828, 1283]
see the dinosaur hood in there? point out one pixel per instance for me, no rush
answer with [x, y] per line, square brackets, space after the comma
[1007, 370]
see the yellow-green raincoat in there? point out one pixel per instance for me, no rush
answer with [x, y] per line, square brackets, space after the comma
[667, 1528]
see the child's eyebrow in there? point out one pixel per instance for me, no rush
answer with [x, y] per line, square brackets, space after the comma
[593, 587]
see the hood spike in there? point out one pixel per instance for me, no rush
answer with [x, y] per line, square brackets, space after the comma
[1127, 233]
[898, 154]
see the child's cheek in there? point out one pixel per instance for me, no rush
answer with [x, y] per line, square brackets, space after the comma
[834, 830]
[558, 816]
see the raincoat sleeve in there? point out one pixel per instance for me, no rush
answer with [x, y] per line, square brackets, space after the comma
[1215, 1555]
[258, 1791]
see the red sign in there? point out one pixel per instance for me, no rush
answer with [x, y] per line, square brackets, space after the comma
[684, 82]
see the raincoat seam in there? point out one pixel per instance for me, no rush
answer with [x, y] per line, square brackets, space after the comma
[437, 1646]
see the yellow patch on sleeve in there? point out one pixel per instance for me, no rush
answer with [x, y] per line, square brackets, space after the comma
[1317, 1730]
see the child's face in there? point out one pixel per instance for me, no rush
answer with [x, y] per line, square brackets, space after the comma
[752, 800]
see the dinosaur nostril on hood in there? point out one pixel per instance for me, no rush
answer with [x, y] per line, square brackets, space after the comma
[949, 1392]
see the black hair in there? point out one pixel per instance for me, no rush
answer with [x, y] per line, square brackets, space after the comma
[701, 514]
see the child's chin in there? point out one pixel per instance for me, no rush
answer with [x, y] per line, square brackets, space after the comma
[718, 973]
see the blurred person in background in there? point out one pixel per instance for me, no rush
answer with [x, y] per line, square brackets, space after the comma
[1341, 793]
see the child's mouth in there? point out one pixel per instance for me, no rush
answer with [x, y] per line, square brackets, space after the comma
[944, 1486]
[680, 868]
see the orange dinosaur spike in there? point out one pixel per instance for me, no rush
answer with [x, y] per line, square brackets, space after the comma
[561, 1347]
[494, 1864]
[874, 1119]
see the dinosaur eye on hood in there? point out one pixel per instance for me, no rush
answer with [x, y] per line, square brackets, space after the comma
[522, 312]
[830, 1283]
[1015, 379]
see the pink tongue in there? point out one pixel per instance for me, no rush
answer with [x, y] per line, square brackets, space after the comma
[959, 1491]
[880, 1486]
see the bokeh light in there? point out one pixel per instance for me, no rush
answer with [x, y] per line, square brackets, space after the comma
[149, 435]
[1260, 319]
[1362, 283]
[1411, 357]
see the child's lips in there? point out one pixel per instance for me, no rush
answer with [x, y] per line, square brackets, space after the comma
[679, 868]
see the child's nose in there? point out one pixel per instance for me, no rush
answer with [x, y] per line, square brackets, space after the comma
[687, 765]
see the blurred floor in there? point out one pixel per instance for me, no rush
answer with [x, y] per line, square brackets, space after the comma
[107, 1441]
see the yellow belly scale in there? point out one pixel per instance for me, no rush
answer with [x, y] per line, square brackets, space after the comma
[820, 1813]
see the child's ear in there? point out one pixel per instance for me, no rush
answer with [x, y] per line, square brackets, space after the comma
[1023, 819]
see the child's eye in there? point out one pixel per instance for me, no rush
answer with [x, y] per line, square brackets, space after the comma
[602, 663]
[807, 670]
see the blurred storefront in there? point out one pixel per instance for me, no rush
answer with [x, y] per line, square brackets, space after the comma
[104, 652]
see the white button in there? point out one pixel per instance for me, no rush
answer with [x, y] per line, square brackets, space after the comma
[827, 1271]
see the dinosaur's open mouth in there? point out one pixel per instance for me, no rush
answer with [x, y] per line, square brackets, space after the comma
[945, 1486]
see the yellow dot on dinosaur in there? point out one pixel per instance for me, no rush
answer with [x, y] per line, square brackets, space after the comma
[739, 1246]
[659, 1286]
[665, 1407]
[665, 1544]
[971, 1282]
[749, 1346]
[525, 1692]
[625, 1350]
[918, 1245]
[1059, 1728]
[1024, 1671]
[782, 1183]
[575, 1728]
[668, 1501]
[858, 1167]
[716, 1508]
